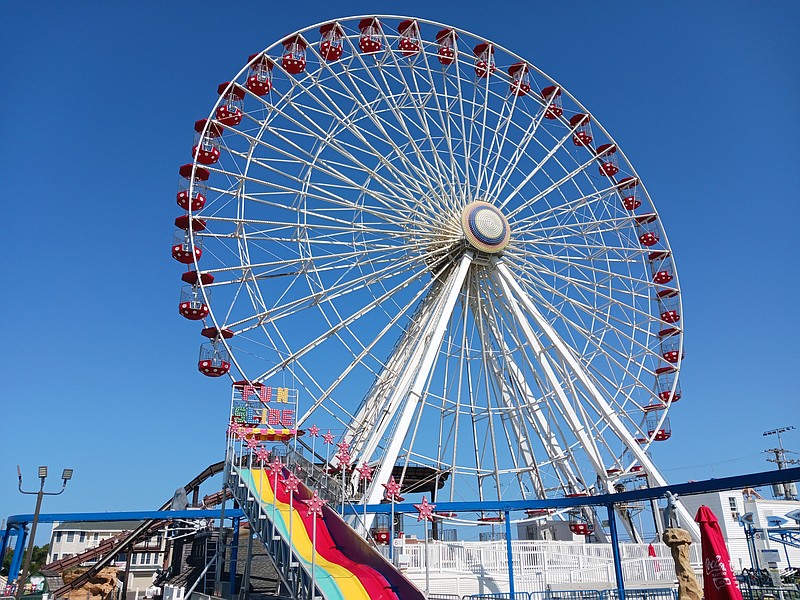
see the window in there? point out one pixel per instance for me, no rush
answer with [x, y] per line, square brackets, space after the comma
[82, 537]
[133, 558]
[58, 536]
[70, 536]
[95, 537]
[734, 508]
[55, 556]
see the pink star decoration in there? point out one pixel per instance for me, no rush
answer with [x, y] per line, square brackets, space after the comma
[276, 468]
[313, 431]
[343, 446]
[425, 510]
[262, 454]
[327, 437]
[315, 505]
[234, 428]
[344, 458]
[252, 443]
[392, 490]
[365, 471]
[290, 483]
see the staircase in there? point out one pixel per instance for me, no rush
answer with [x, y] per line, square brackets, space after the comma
[344, 564]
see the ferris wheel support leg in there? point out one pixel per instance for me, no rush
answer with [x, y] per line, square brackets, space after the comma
[430, 348]
[507, 284]
[533, 414]
[601, 405]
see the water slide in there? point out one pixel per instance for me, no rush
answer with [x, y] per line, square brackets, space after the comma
[346, 566]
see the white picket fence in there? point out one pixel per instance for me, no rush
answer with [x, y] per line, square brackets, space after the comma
[541, 565]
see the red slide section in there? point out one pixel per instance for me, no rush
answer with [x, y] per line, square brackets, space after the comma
[338, 543]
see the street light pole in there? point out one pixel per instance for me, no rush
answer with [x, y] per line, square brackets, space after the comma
[66, 476]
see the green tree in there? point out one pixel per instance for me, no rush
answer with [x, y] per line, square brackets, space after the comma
[38, 560]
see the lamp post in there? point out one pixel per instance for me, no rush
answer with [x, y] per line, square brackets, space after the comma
[65, 476]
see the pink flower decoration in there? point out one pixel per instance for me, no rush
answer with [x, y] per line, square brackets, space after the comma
[327, 437]
[425, 510]
[313, 431]
[392, 490]
[365, 471]
[315, 505]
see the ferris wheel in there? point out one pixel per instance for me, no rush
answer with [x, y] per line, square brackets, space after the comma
[443, 251]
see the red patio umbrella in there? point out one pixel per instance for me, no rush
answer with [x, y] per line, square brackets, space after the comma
[651, 552]
[719, 582]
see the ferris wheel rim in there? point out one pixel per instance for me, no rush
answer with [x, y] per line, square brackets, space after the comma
[213, 316]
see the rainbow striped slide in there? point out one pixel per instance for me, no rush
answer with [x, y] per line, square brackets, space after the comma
[346, 567]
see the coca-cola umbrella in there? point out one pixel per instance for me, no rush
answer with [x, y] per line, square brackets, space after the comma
[719, 582]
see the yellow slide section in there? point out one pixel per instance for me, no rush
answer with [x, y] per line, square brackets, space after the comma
[334, 580]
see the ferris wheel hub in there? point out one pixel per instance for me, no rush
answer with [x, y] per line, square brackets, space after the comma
[485, 227]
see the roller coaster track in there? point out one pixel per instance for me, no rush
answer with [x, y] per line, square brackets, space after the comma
[123, 542]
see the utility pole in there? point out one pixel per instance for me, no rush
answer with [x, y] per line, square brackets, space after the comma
[783, 491]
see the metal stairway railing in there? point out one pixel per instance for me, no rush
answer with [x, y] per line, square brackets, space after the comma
[294, 576]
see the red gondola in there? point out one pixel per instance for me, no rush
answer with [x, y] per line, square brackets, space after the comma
[520, 79]
[198, 198]
[671, 347]
[192, 305]
[206, 145]
[484, 60]
[294, 55]
[647, 226]
[582, 136]
[628, 189]
[371, 40]
[669, 302]
[607, 154]
[667, 388]
[215, 360]
[260, 79]
[657, 429]
[183, 250]
[552, 96]
[661, 266]
[446, 39]
[409, 43]
[331, 46]
[580, 523]
[230, 112]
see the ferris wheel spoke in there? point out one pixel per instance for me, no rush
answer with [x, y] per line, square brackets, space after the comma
[593, 338]
[520, 152]
[530, 408]
[289, 307]
[529, 202]
[367, 308]
[354, 92]
[393, 201]
[366, 350]
[435, 167]
[327, 106]
[443, 122]
[609, 416]
[514, 415]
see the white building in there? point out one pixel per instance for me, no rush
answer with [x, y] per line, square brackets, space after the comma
[729, 506]
[73, 538]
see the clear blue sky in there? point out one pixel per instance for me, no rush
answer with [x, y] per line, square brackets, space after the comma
[99, 101]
